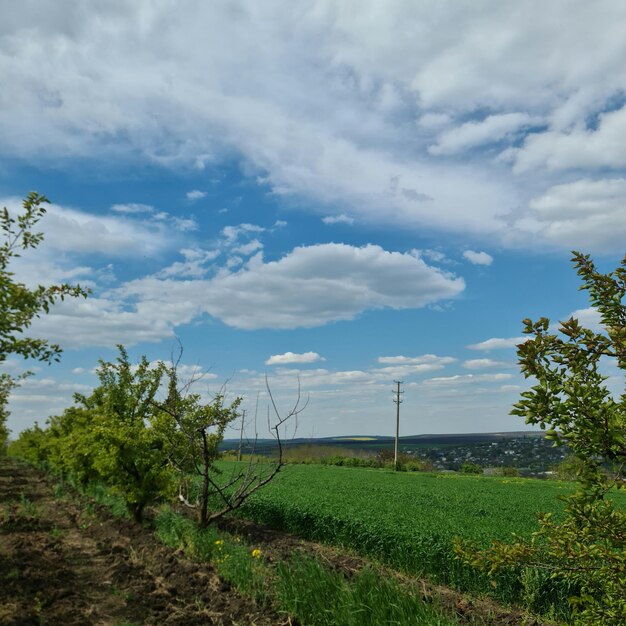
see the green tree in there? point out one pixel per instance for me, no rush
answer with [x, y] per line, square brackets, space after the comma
[586, 549]
[127, 442]
[19, 304]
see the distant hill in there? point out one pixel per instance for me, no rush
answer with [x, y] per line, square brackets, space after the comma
[373, 442]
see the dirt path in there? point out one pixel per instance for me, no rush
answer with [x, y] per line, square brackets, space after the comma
[61, 564]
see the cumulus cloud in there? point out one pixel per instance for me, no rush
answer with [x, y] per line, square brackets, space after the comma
[479, 364]
[578, 147]
[338, 219]
[585, 214]
[478, 258]
[498, 343]
[430, 359]
[132, 208]
[292, 357]
[196, 194]
[310, 286]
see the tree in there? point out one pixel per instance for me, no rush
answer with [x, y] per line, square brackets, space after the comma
[202, 426]
[571, 401]
[128, 440]
[19, 305]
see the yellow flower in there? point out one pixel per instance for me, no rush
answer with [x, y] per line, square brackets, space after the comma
[256, 553]
[219, 542]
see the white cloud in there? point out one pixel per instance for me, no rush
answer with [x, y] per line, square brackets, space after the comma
[367, 99]
[248, 248]
[280, 224]
[478, 364]
[75, 231]
[430, 359]
[498, 343]
[310, 286]
[71, 234]
[132, 208]
[196, 194]
[432, 255]
[292, 357]
[493, 128]
[578, 147]
[478, 258]
[101, 321]
[194, 265]
[463, 379]
[584, 214]
[338, 219]
[232, 234]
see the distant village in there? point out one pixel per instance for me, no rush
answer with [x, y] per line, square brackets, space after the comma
[530, 456]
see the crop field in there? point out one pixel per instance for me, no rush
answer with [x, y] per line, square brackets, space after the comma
[410, 520]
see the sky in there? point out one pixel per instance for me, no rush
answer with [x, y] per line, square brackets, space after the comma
[331, 194]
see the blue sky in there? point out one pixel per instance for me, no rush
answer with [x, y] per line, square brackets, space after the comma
[337, 192]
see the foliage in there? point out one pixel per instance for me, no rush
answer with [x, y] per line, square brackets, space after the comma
[7, 383]
[142, 448]
[129, 441]
[19, 304]
[569, 468]
[349, 457]
[115, 436]
[587, 547]
[471, 468]
[31, 446]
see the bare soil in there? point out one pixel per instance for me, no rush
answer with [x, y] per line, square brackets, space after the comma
[64, 563]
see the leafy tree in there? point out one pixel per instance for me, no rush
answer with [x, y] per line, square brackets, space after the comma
[19, 305]
[127, 439]
[31, 446]
[571, 401]
[6, 384]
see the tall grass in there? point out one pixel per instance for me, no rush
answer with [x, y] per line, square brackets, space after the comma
[320, 597]
[300, 587]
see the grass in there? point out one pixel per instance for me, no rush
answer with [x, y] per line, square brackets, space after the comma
[410, 521]
[300, 587]
[320, 597]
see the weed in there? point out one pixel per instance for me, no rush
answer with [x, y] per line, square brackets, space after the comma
[56, 532]
[26, 508]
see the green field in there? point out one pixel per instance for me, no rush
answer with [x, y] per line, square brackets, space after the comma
[409, 520]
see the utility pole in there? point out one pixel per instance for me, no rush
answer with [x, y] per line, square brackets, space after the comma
[398, 401]
[243, 420]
